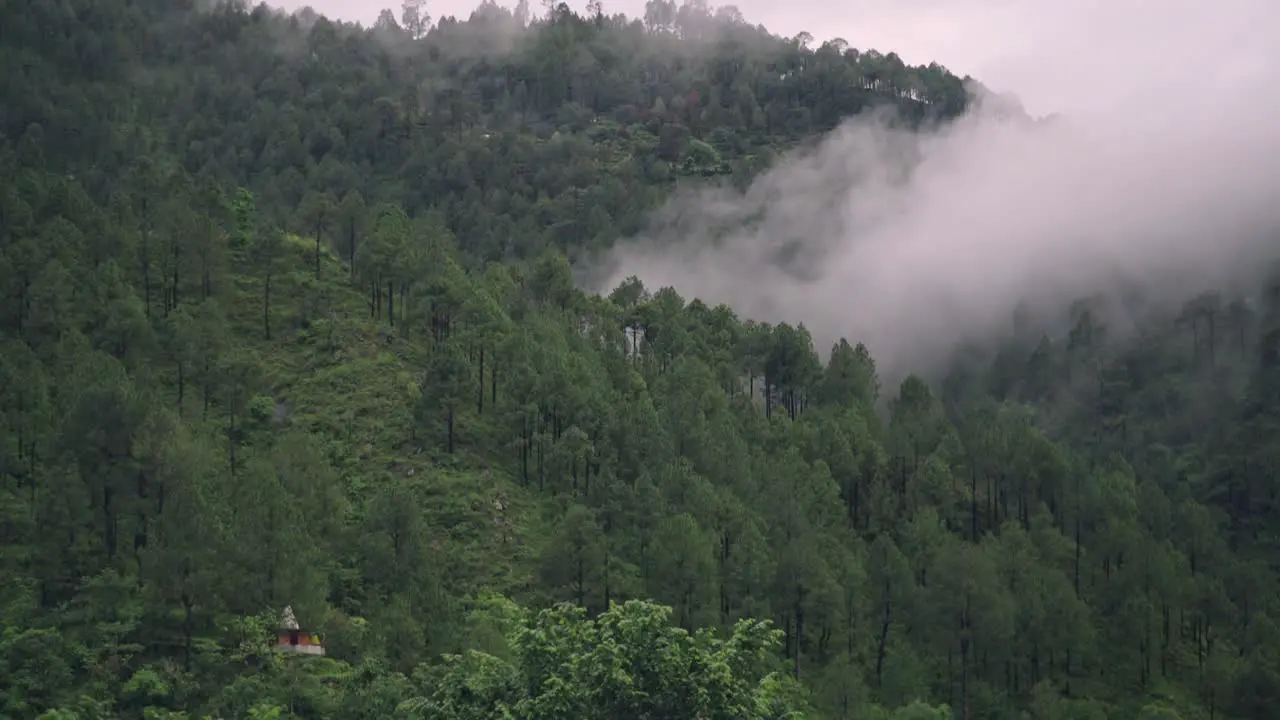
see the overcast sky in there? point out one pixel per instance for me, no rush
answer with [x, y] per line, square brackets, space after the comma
[1054, 54]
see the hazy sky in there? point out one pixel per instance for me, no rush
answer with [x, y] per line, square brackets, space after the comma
[1048, 52]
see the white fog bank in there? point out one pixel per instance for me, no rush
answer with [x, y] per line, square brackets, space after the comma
[1169, 165]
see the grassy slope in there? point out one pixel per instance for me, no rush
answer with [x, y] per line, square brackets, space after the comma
[343, 376]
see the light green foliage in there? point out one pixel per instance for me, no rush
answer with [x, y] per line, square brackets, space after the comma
[627, 662]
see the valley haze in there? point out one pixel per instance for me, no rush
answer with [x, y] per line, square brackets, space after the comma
[1166, 175]
[1160, 163]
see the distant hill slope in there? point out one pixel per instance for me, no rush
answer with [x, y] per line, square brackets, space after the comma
[561, 130]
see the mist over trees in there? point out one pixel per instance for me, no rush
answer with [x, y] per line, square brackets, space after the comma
[289, 320]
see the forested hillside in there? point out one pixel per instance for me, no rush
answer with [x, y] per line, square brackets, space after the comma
[288, 319]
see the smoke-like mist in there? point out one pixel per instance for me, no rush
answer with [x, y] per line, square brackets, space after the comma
[1167, 173]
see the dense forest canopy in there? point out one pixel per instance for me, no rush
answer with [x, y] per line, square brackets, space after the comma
[289, 320]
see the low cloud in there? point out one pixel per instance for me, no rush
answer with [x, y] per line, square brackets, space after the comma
[1167, 175]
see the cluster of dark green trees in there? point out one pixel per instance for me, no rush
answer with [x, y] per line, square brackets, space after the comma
[287, 318]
